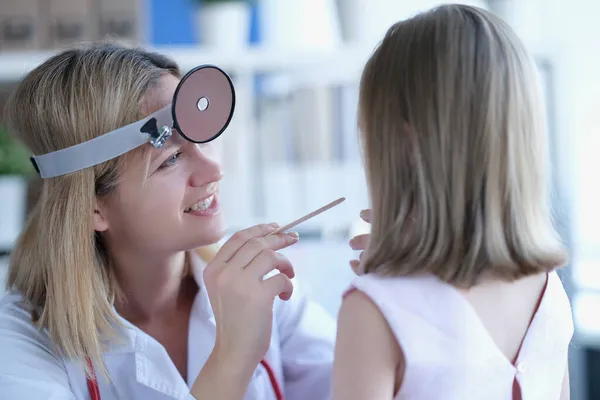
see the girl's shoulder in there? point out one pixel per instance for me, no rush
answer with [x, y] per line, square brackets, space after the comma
[398, 289]
[421, 297]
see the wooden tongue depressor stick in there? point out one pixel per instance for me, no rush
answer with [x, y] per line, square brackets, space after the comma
[309, 216]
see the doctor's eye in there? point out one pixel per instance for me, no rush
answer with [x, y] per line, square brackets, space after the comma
[170, 161]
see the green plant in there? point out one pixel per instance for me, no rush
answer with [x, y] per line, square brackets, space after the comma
[14, 157]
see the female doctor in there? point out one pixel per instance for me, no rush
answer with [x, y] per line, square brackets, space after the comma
[109, 297]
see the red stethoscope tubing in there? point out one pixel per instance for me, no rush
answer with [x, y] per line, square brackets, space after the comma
[273, 379]
[92, 382]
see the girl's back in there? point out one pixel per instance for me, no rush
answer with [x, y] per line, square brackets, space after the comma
[506, 310]
[495, 341]
[459, 297]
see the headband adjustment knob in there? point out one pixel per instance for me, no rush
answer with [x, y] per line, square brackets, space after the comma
[158, 138]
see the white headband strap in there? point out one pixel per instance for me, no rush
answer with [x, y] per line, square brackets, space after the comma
[105, 147]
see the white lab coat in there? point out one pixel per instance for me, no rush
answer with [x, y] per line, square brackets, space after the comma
[301, 355]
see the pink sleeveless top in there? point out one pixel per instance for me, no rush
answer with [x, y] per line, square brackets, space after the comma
[450, 355]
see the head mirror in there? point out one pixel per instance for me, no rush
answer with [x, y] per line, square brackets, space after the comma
[202, 108]
[203, 104]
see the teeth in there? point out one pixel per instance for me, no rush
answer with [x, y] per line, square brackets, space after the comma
[202, 205]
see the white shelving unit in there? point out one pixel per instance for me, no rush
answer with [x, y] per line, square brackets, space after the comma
[341, 64]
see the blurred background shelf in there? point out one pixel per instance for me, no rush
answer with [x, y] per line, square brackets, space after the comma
[337, 66]
[344, 63]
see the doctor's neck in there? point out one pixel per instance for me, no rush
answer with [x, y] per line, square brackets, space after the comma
[152, 288]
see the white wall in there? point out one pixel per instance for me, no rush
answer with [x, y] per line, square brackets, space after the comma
[578, 99]
[574, 29]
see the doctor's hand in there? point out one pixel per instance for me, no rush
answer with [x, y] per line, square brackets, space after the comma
[359, 242]
[241, 299]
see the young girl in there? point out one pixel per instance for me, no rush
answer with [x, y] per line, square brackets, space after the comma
[459, 298]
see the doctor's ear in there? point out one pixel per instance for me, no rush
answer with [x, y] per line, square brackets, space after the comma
[100, 221]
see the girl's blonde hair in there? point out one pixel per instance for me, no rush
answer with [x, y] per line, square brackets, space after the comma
[453, 128]
[59, 263]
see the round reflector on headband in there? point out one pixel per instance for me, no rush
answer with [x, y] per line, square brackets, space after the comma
[201, 110]
[203, 104]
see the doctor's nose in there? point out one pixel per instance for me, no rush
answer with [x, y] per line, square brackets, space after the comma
[206, 168]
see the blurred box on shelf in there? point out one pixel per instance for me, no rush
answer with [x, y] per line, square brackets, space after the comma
[27, 25]
[70, 22]
[122, 19]
[21, 25]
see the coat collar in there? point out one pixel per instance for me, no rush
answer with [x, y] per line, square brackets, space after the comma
[146, 355]
[202, 302]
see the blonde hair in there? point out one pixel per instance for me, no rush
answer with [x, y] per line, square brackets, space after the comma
[59, 263]
[452, 125]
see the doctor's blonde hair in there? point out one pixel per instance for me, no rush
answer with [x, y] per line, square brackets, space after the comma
[59, 263]
[453, 129]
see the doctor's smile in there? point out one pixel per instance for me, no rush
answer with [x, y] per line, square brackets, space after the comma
[206, 206]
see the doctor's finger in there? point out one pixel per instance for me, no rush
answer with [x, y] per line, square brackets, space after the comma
[255, 246]
[240, 238]
[360, 242]
[269, 260]
[279, 285]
